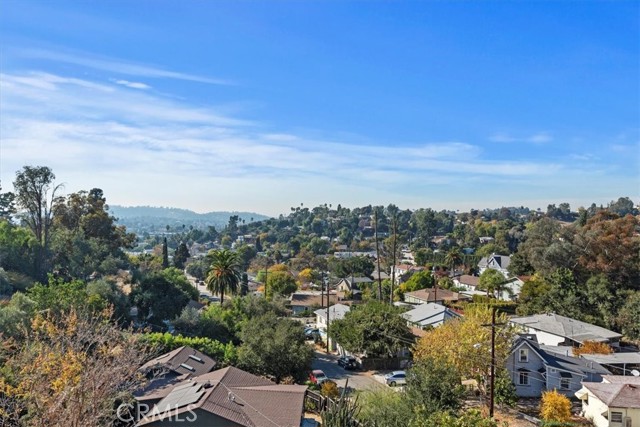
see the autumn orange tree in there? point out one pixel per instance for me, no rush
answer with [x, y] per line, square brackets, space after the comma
[466, 343]
[592, 347]
[70, 370]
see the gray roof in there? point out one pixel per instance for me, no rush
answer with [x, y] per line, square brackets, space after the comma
[566, 327]
[336, 312]
[617, 395]
[429, 314]
[621, 379]
[238, 396]
[576, 365]
[503, 261]
[182, 360]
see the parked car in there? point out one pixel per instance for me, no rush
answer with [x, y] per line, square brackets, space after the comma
[396, 378]
[348, 362]
[311, 334]
[318, 376]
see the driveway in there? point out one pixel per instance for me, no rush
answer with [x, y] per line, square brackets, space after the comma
[357, 380]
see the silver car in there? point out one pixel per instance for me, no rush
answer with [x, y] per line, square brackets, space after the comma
[396, 378]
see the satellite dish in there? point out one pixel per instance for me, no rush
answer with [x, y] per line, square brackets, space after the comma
[231, 397]
[635, 373]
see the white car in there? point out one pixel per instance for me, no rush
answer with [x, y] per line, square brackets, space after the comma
[396, 378]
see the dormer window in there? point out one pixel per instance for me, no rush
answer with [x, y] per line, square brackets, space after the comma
[523, 355]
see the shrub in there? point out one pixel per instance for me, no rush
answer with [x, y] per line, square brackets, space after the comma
[555, 407]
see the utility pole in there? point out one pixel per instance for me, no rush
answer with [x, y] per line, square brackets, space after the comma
[375, 230]
[493, 359]
[328, 305]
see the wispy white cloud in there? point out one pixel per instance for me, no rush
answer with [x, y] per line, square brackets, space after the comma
[117, 66]
[133, 85]
[151, 149]
[536, 138]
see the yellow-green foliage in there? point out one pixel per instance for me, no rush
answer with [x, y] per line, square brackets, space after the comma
[330, 389]
[555, 407]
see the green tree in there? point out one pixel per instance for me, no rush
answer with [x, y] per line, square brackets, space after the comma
[491, 281]
[165, 253]
[7, 204]
[181, 255]
[628, 316]
[158, 299]
[15, 317]
[281, 283]
[385, 407]
[453, 258]
[178, 279]
[275, 348]
[374, 328]
[224, 273]
[35, 195]
[434, 385]
[419, 280]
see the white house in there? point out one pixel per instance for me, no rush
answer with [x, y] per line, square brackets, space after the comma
[553, 329]
[430, 314]
[495, 262]
[467, 282]
[611, 404]
[336, 312]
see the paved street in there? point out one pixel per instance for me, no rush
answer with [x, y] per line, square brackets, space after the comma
[357, 380]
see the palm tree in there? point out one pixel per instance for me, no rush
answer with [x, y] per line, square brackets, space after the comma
[453, 258]
[224, 273]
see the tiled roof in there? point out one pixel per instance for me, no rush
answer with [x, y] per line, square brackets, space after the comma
[242, 398]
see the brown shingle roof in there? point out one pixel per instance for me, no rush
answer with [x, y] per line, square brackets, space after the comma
[311, 300]
[243, 398]
[429, 295]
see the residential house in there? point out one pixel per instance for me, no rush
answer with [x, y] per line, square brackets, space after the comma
[620, 362]
[466, 282]
[308, 300]
[534, 370]
[615, 402]
[352, 285]
[170, 368]
[511, 289]
[553, 329]
[429, 315]
[436, 295]
[495, 262]
[403, 272]
[336, 312]
[228, 397]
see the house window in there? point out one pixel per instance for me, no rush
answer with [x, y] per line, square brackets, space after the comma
[565, 383]
[524, 378]
[616, 417]
[523, 355]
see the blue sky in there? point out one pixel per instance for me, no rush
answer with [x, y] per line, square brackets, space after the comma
[261, 106]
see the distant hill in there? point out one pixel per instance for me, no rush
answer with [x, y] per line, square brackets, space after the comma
[149, 218]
